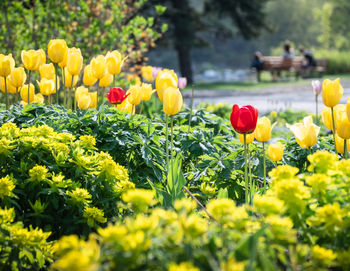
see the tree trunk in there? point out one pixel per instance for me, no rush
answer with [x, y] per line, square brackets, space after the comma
[185, 62]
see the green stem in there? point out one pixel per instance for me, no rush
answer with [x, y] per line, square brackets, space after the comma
[141, 107]
[75, 100]
[70, 93]
[7, 95]
[98, 95]
[264, 157]
[246, 169]
[189, 121]
[316, 98]
[345, 150]
[172, 144]
[250, 175]
[65, 89]
[166, 140]
[29, 74]
[113, 80]
[333, 122]
[16, 96]
[103, 95]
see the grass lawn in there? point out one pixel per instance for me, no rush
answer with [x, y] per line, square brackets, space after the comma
[266, 81]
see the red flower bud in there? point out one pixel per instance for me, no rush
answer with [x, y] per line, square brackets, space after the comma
[116, 95]
[244, 119]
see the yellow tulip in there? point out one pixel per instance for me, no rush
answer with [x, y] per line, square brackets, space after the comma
[7, 64]
[275, 151]
[68, 79]
[332, 91]
[63, 63]
[146, 91]
[42, 57]
[47, 71]
[305, 133]
[263, 129]
[327, 115]
[98, 66]
[31, 59]
[74, 61]
[38, 98]
[80, 91]
[342, 124]
[348, 108]
[24, 93]
[57, 49]
[47, 86]
[10, 87]
[114, 62]
[135, 94]
[172, 101]
[18, 77]
[249, 138]
[125, 106]
[84, 101]
[93, 96]
[146, 72]
[106, 80]
[165, 79]
[339, 143]
[88, 78]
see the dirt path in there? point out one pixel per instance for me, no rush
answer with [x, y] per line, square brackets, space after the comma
[279, 98]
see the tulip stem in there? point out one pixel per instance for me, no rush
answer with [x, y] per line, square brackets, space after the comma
[7, 95]
[333, 123]
[316, 98]
[172, 144]
[264, 158]
[114, 80]
[166, 140]
[98, 94]
[16, 96]
[189, 121]
[70, 93]
[345, 150]
[65, 88]
[55, 65]
[29, 74]
[246, 169]
[75, 100]
[250, 175]
[103, 95]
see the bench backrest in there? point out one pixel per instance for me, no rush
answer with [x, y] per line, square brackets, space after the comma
[277, 62]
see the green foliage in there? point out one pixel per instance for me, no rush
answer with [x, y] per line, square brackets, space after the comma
[338, 61]
[301, 223]
[58, 182]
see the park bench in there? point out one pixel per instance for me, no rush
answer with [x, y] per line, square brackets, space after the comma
[277, 64]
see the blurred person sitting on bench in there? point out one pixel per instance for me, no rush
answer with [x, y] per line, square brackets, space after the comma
[258, 63]
[309, 62]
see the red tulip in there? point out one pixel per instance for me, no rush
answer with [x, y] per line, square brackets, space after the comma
[244, 119]
[116, 95]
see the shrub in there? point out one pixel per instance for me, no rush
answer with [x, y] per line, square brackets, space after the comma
[300, 223]
[338, 61]
[58, 182]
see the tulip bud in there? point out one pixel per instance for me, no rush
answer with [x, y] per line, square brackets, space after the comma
[93, 96]
[57, 49]
[38, 98]
[24, 93]
[88, 78]
[63, 63]
[305, 133]
[244, 119]
[332, 92]
[172, 101]
[31, 59]
[114, 62]
[80, 91]
[47, 71]
[275, 151]
[68, 79]
[84, 101]
[165, 79]
[18, 77]
[135, 94]
[182, 82]
[316, 86]
[47, 86]
[263, 129]
[155, 71]
[42, 57]
[99, 66]
[106, 80]
[10, 88]
[146, 91]
[74, 61]
[147, 74]
[249, 138]
[116, 95]
[339, 144]
[342, 124]
[7, 64]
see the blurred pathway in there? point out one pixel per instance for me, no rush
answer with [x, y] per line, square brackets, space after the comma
[279, 98]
